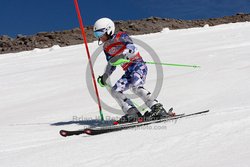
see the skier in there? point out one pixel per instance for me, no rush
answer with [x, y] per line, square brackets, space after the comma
[120, 50]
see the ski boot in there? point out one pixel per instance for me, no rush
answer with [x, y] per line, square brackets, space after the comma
[132, 115]
[158, 112]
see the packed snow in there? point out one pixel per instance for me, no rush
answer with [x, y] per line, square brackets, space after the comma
[44, 90]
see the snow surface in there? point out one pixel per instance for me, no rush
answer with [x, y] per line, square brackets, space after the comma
[41, 91]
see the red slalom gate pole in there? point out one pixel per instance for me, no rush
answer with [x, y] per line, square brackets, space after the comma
[87, 50]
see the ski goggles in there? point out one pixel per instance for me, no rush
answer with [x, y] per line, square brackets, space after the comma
[99, 33]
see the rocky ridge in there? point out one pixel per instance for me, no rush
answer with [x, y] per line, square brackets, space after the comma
[133, 27]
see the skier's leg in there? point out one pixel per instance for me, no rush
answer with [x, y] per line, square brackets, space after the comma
[145, 95]
[138, 78]
[117, 92]
[157, 109]
[131, 112]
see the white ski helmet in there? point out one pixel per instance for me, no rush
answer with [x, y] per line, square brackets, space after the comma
[102, 26]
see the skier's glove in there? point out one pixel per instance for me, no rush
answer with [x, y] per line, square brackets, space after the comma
[118, 60]
[102, 80]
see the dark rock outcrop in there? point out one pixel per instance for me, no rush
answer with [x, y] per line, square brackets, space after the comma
[133, 27]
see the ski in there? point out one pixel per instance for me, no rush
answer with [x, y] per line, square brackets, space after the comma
[112, 128]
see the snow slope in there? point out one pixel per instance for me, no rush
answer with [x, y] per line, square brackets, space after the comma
[41, 91]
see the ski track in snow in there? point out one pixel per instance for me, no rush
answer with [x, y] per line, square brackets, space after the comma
[42, 90]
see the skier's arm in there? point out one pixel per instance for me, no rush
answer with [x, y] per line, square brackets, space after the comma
[131, 49]
[109, 68]
[108, 71]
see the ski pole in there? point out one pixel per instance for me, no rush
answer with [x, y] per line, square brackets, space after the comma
[168, 64]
